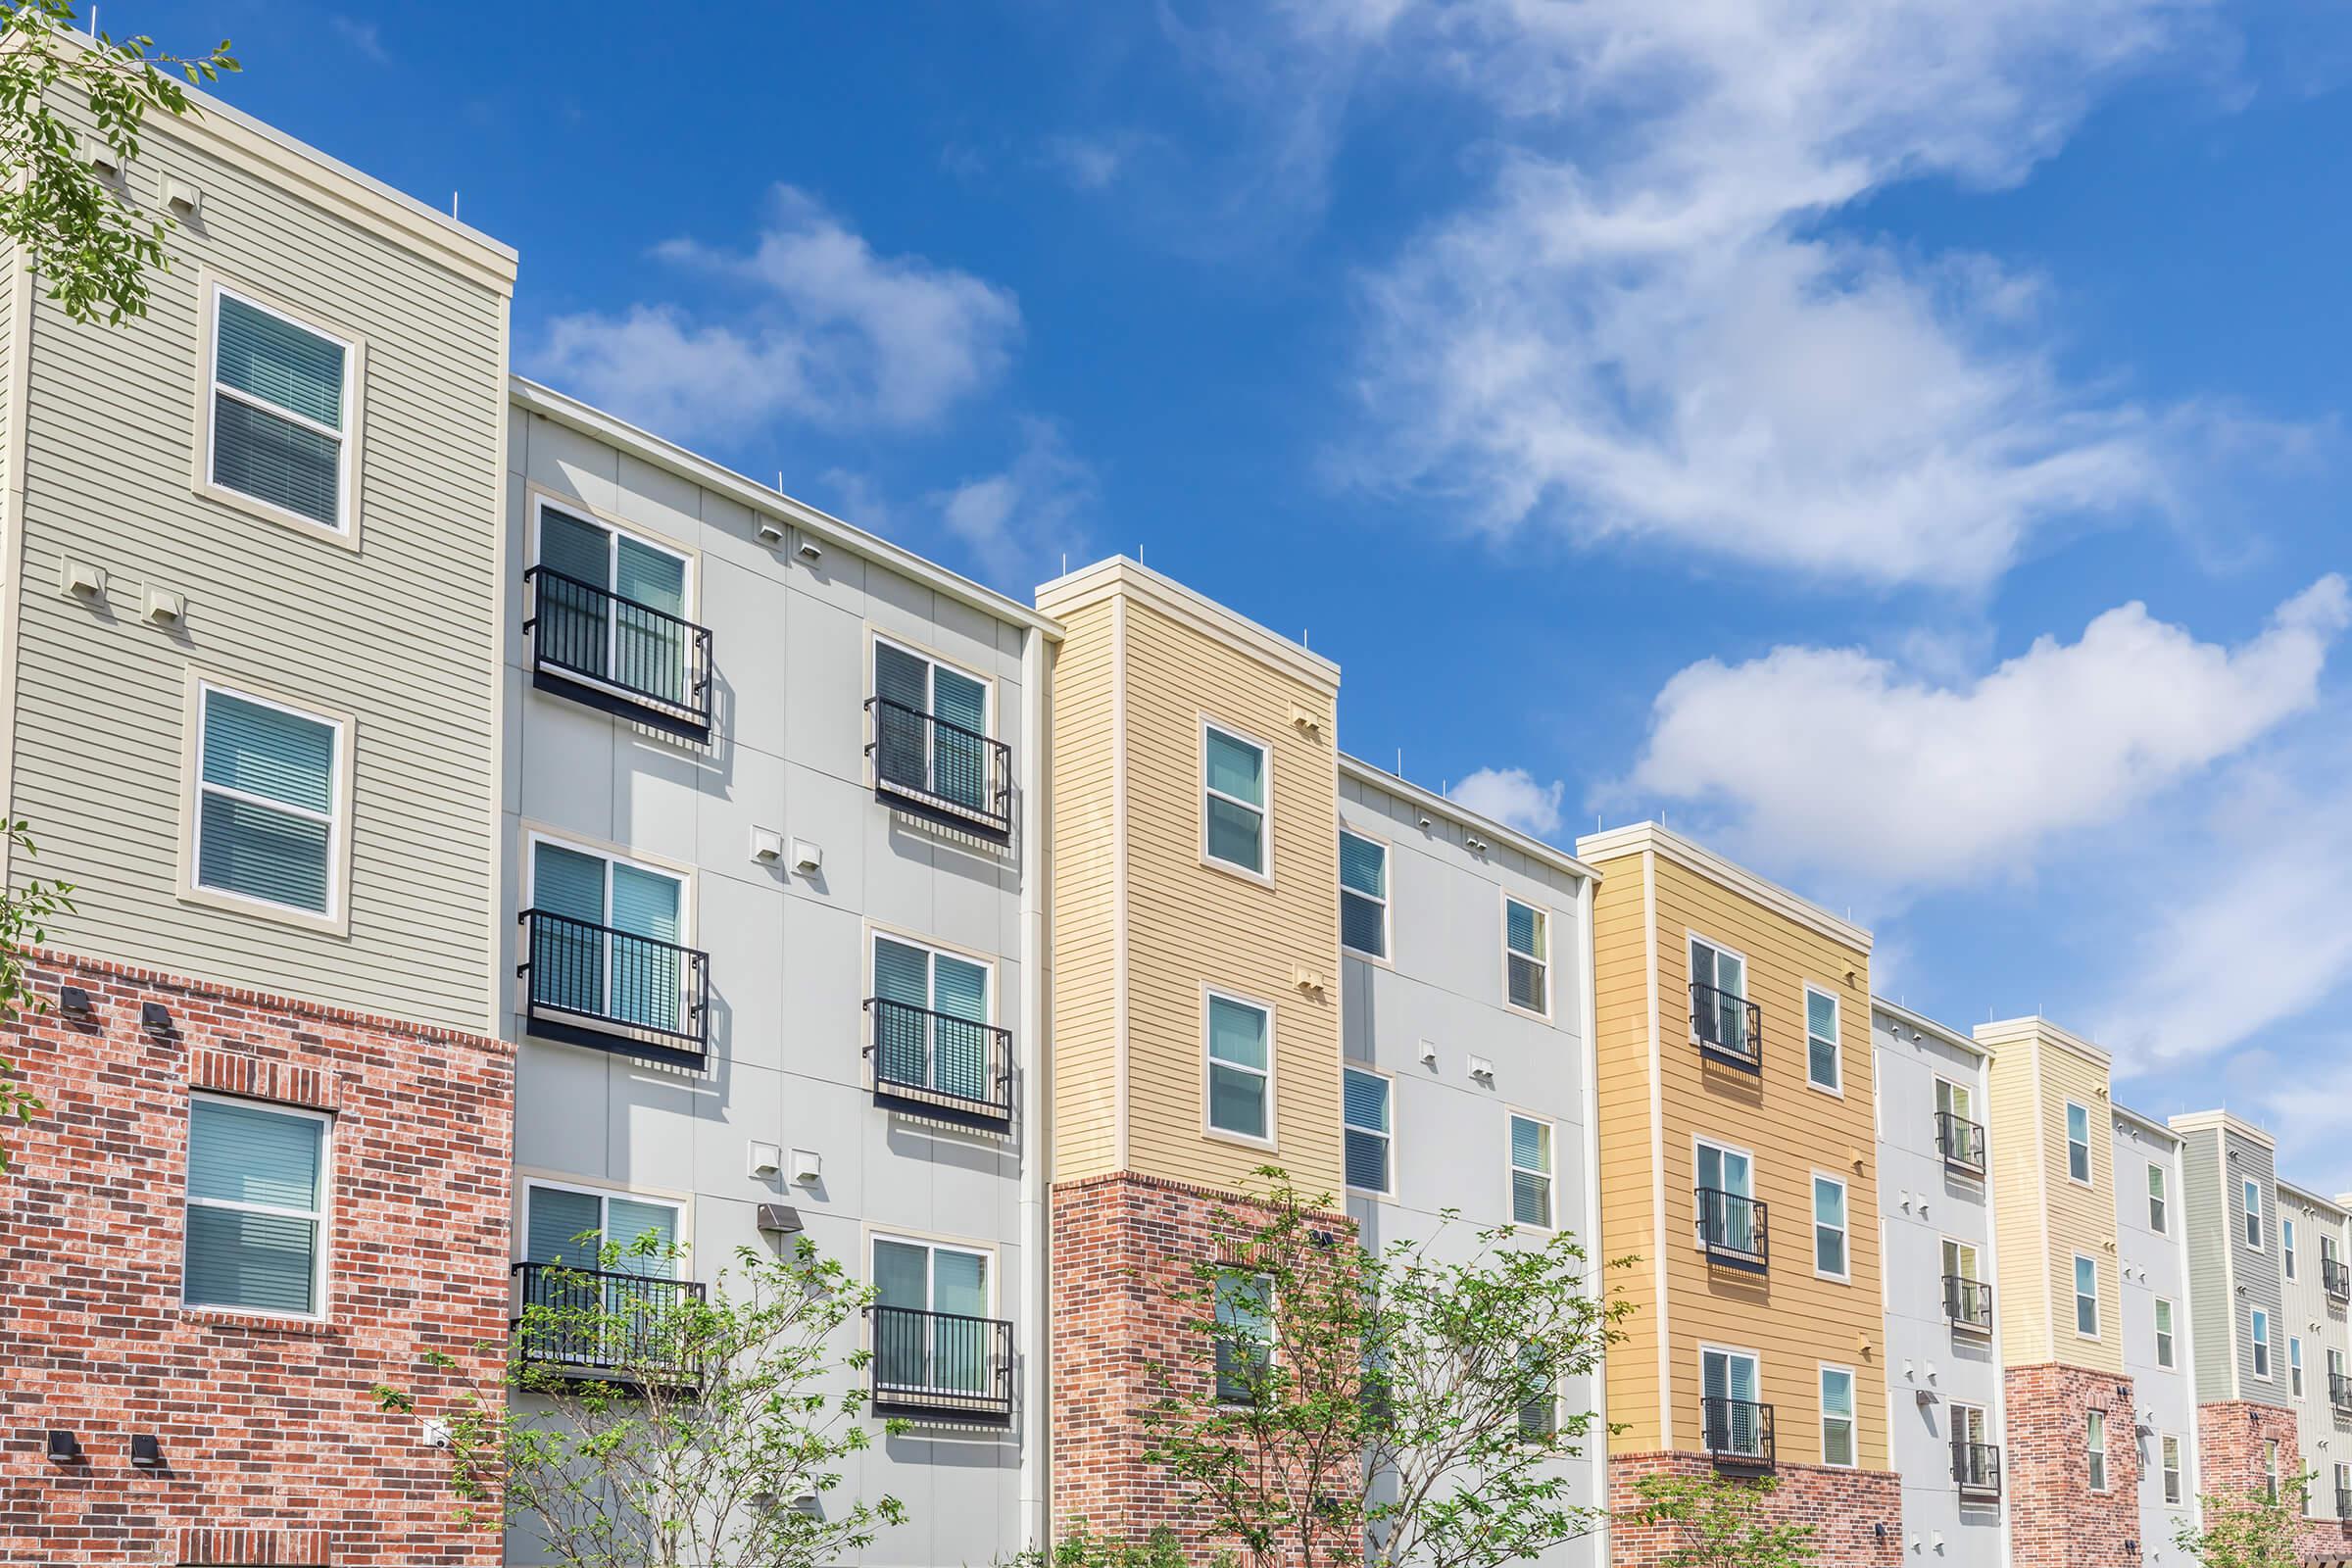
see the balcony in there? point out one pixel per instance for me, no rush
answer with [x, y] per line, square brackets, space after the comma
[595, 647]
[625, 1327]
[1731, 1230]
[953, 775]
[941, 1065]
[2335, 1278]
[592, 985]
[1738, 1434]
[939, 1364]
[1977, 1471]
[1729, 1029]
[1961, 1142]
[1968, 1303]
[2339, 1396]
[2343, 1502]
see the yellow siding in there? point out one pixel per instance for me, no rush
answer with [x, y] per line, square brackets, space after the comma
[1085, 996]
[2032, 1083]
[2021, 1224]
[1793, 1320]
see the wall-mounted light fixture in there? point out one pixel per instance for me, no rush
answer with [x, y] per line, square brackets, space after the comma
[146, 1450]
[64, 1447]
[155, 1017]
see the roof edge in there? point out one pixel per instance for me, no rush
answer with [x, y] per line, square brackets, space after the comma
[1551, 855]
[1117, 574]
[1635, 837]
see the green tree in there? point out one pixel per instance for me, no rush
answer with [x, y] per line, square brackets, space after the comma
[637, 1424]
[2252, 1530]
[78, 231]
[1391, 1408]
[24, 913]
[1720, 1522]
[1079, 1547]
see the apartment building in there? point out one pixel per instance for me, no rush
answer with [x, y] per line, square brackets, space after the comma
[2159, 1337]
[1944, 1355]
[772, 937]
[2315, 1286]
[248, 703]
[1466, 1021]
[1737, 1160]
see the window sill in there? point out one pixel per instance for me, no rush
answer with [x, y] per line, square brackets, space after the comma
[332, 925]
[1245, 1140]
[236, 500]
[266, 1322]
[1240, 874]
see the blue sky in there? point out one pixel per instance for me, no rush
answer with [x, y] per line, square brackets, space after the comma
[1900, 440]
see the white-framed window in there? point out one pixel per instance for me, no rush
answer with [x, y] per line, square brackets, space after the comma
[2159, 1200]
[1960, 1259]
[1837, 1416]
[933, 1016]
[1366, 1110]
[1540, 1413]
[931, 1328]
[2094, 1443]
[2258, 1334]
[281, 412]
[2343, 1486]
[1719, 997]
[569, 1225]
[1729, 1386]
[1363, 894]
[1244, 1343]
[609, 605]
[932, 728]
[1527, 956]
[1829, 1228]
[2286, 1245]
[2270, 1470]
[1727, 1190]
[2087, 1298]
[1971, 1434]
[2077, 1144]
[2164, 1332]
[2335, 1371]
[1234, 774]
[606, 937]
[1238, 1042]
[271, 804]
[2294, 1365]
[257, 1208]
[2250, 1211]
[1825, 1067]
[2169, 1456]
[1531, 1171]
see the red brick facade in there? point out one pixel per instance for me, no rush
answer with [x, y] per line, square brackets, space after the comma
[2230, 1454]
[1858, 1515]
[273, 1448]
[2055, 1519]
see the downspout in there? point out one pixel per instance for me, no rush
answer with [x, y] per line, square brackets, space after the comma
[1037, 1098]
[1598, 1448]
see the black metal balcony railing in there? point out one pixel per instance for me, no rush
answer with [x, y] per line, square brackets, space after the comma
[1732, 1231]
[596, 1321]
[1961, 1142]
[2335, 1278]
[2339, 1392]
[592, 645]
[1727, 1027]
[593, 984]
[1976, 1470]
[1738, 1433]
[1967, 1302]
[948, 1067]
[2343, 1502]
[941, 770]
[939, 1363]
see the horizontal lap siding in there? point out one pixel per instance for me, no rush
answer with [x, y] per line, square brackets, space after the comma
[1621, 990]
[402, 634]
[2020, 1220]
[1085, 909]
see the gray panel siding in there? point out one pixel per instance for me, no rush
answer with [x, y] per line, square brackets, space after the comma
[2208, 1239]
[401, 634]
[2323, 1437]
[2258, 1284]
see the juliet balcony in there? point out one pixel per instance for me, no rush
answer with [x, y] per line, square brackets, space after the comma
[2335, 1278]
[940, 1065]
[1961, 1142]
[1977, 1471]
[594, 985]
[1968, 1303]
[1738, 1434]
[1732, 1231]
[940, 1365]
[952, 775]
[1728, 1028]
[596, 647]
[598, 1323]
[2339, 1396]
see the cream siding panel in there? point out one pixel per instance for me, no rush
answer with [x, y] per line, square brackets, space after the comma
[2033, 1082]
[402, 634]
[2020, 1224]
[1085, 911]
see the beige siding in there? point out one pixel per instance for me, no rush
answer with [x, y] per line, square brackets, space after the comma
[1085, 914]
[2046, 1218]
[1628, 1212]
[2021, 1221]
[401, 634]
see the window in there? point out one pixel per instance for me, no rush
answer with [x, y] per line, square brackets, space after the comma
[1727, 1214]
[1823, 1067]
[570, 1226]
[1234, 799]
[1364, 896]
[931, 729]
[2344, 1488]
[1955, 1100]
[2164, 1332]
[2169, 1452]
[1365, 1111]
[2258, 1334]
[255, 1208]
[1241, 1081]
[930, 1320]
[931, 1020]
[2095, 1439]
[1245, 1343]
[269, 804]
[1531, 1171]
[2294, 1365]
[2335, 1369]
[281, 409]
[1719, 1002]
[2077, 1143]
[1527, 941]
[605, 935]
[592, 597]
[2286, 1245]
[1829, 1227]
[1729, 1381]
[2158, 1220]
[1959, 1259]
[1836, 1416]
[2087, 1298]
[2250, 1203]
[1540, 1415]
[2270, 1470]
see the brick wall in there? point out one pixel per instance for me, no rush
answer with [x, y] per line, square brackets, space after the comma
[2231, 1435]
[273, 1452]
[1846, 1507]
[2055, 1519]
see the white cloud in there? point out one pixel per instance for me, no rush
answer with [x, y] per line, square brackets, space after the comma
[1512, 797]
[1013, 522]
[1844, 762]
[1645, 332]
[1088, 162]
[836, 334]
[366, 38]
